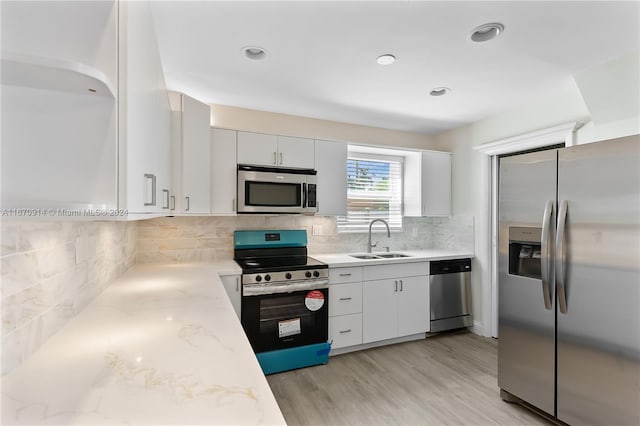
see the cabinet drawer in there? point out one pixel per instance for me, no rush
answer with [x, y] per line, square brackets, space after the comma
[345, 330]
[345, 275]
[345, 299]
[396, 270]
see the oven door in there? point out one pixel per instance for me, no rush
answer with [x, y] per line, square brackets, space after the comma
[285, 320]
[264, 190]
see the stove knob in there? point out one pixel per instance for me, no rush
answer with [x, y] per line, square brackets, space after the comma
[307, 274]
[287, 275]
[267, 277]
[316, 274]
[258, 278]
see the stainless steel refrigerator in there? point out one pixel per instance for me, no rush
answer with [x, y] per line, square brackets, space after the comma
[569, 281]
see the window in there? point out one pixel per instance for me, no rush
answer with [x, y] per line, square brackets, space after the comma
[374, 190]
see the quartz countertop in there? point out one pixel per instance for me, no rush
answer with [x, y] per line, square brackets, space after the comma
[345, 259]
[162, 345]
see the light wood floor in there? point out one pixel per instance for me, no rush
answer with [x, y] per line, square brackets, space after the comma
[448, 379]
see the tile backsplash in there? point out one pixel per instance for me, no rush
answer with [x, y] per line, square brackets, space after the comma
[50, 272]
[201, 239]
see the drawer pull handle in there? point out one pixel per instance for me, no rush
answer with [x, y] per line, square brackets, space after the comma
[345, 331]
[345, 298]
[345, 275]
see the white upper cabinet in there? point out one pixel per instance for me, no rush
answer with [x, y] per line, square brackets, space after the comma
[145, 116]
[223, 171]
[436, 184]
[331, 164]
[275, 151]
[295, 152]
[191, 155]
[257, 148]
[427, 184]
[85, 114]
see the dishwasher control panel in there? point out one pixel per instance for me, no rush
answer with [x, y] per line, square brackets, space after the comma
[450, 266]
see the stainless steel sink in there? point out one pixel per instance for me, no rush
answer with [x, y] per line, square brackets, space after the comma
[364, 256]
[391, 255]
[379, 256]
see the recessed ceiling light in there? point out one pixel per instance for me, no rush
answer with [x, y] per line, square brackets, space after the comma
[386, 59]
[487, 32]
[439, 91]
[254, 53]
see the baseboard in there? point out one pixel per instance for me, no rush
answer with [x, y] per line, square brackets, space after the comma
[340, 351]
[476, 328]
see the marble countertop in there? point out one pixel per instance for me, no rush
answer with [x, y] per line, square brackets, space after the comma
[345, 259]
[162, 345]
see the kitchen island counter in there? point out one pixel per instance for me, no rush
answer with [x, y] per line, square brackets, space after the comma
[162, 345]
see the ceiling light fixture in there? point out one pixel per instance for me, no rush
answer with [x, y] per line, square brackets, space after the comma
[386, 59]
[254, 53]
[439, 91]
[487, 32]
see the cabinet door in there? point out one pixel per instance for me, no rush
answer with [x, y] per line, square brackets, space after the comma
[379, 310]
[223, 171]
[345, 275]
[257, 148]
[231, 285]
[413, 305]
[196, 156]
[296, 152]
[436, 184]
[145, 115]
[345, 330]
[331, 164]
[345, 299]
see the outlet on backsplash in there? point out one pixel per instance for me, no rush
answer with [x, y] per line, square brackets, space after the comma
[316, 230]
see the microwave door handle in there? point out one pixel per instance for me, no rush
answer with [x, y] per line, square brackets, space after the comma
[304, 195]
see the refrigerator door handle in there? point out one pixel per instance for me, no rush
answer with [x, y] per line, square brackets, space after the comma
[545, 259]
[561, 257]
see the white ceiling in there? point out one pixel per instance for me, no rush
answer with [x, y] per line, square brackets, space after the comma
[322, 55]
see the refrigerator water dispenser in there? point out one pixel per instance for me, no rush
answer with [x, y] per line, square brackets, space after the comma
[524, 251]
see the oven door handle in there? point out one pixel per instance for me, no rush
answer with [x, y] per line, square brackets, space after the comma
[288, 287]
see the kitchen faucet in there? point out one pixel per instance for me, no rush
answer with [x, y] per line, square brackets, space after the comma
[369, 245]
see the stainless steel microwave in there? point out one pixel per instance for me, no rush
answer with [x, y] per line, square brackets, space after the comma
[276, 190]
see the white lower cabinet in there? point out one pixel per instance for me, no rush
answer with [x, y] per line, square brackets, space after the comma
[345, 299]
[231, 284]
[345, 307]
[394, 307]
[345, 330]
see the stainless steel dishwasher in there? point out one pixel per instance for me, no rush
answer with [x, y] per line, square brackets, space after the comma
[450, 294]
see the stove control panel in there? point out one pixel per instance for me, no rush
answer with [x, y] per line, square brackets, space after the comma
[285, 276]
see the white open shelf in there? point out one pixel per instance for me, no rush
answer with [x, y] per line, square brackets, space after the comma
[54, 74]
